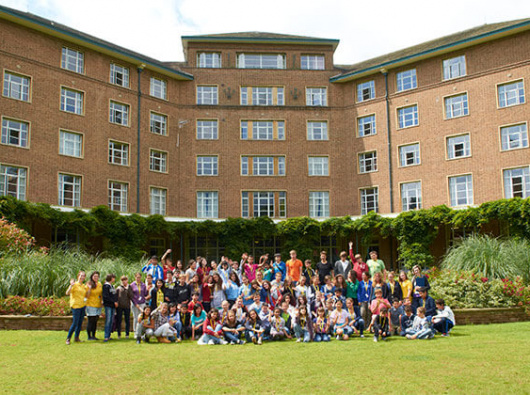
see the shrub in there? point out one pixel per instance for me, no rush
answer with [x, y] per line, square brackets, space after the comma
[19, 305]
[13, 239]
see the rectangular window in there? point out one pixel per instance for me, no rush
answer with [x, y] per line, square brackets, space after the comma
[158, 124]
[461, 190]
[366, 126]
[514, 136]
[517, 183]
[70, 144]
[16, 86]
[207, 204]
[408, 116]
[458, 147]
[365, 91]
[207, 129]
[263, 165]
[456, 106]
[157, 200]
[72, 101]
[316, 97]
[119, 75]
[317, 130]
[263, 203]
[15, 133]
[319, 204]
[410, 196]
[318, 165]
[368, 162]
[262, 130]
[409, 155]
[13, 181]
[262, 96]
[511, 94]
[312, 62]
[207, 166]
[260, 61]
[207, 95]
[119, 113]
[406, 80]
[369, 200]
[158, 88]
[209, 60]
[118, 153]
[69, 190]
[118, 196]
[72, 60]
[454, 67]
[158, 161]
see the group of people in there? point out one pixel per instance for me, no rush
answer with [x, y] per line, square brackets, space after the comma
[234, 302]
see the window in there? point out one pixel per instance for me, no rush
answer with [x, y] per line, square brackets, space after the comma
[207, 129]
[408, 116]
[15, 132]
[158, 161]
[319, 204]
[262, 96]
[262, 130]
[312, 62]
[119, 113]
[368, 162]
[514, 136]
[461, 190]
[318, 165]
[69, 190]
[207, 205]
[365, 91]
[207, 166]
[71, 101]
[510, 94]
[13, 181]
[369, 200]
[317, 130]
[157, 200]
[119, 75]
[316, 96]
[455, 67]
[517, 183]
[458, 147]
[260, 61]
[209, 60]
[366, 126]
[16, 86]
[158, 124]
[406, 80]
[409, 155]
[72, 60]
[70, 144]
[158, 88]
[410, 196]
[207, 95]
[263, 165]
[118, 196]
[118, 153]
[456, 106]
[264, 203]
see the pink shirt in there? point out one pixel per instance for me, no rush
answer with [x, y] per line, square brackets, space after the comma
[378, 304]
[250, 270]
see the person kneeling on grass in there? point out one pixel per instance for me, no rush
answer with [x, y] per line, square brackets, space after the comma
[279, 330]
[163, 325]
[303, 325]
[253, 331]
[145, 326]
[382, 325]
[232, 329]
[421, 328]
[212, 330]
[356, 323]
[444, 319]
[321, 326]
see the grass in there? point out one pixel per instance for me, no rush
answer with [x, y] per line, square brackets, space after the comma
[475, 359]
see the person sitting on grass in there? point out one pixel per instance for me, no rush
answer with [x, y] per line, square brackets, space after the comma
[426, 301]
[145, 326]
[303, 325]
[265, 318]
[194, 301]
[223, 312]
[212, 329]
[174, 317]
[382, 325]
[421, 327]
[396, 311]
[279, 329]
[406, 320]
[321, 326]
[253, 329]
[257, 305]
[232, 329]
[444, 319]
[377, 304]
[356, 323]
[163, 325]
[340, 319]
[197, 319]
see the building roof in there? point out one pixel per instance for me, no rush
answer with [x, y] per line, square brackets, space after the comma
[75, 36]
[433, 48]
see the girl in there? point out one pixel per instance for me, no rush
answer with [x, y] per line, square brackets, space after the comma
[321, 326]
[406, 286]
[288, 290]
[339, 319]
[144, 326]
[250, 268]
[265, 293]
[301, 288]
[218, 291]
[240, 309]
[94, 303]
[232, 329]
[195, 285]
[197, 319]
[319, 302]
[207, 289]
[328, 288]
[139, 295]
[253, 331]
[246, 291]
[278, 330]
[340, 283]
[212, 329]
[158, 294]
[394, 289]
[313, 289]
[356, 323]
[287, 299]
[232, 288]
[149, 286]
[303, 325]
[379, 283]
[259, 278]
[351, 286]
[174, 317]
[77, 292]
[110, 301]
[192, 270]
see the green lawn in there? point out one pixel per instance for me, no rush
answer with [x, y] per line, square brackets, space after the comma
[475, 359]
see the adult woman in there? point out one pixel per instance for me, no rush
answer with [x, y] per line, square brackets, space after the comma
[418, 281]
[406, 286]
[139, 294]
[324, 267]
[77, 292]
[218, 291]
[110, 301]
[94, 303]
[378, 283]
[157, 294]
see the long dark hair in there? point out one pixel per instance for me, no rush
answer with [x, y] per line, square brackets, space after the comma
[235, 278]
[91, 281]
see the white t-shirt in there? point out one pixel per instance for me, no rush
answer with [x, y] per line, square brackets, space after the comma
[342, 317]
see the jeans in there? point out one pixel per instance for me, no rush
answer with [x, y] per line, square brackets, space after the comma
[178, 328]
[206, 339]
[232, 337]
[121, 312]
[77, 322]
[345, 330]
[359, 325]
[422, 334]
[148, 332]
[443, 326]
[136, 312]
[365, 312]
[109, 318]
[165, 330]
[302, 333]
[324, 337]
[250, 334]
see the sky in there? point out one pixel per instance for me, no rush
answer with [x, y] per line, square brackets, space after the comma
[365, 29]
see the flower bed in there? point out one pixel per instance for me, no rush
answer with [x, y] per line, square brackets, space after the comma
[19, 305]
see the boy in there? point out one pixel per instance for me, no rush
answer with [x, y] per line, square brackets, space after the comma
[308, 272]
[396, 311]
[421, 328]
[338, 296]
[382, 326]
[406, 320]
[286, 316]
[364, 290]
[265, 316]
[294, 267]
[279, 266]
[426, 301]
[257, 305]
[185, 320]
[444, 320]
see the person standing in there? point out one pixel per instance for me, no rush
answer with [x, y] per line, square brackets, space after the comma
[110, 301]
[343, 266]
[77, 292]
[376, 265]
[94, 303]
[294, 267]
[324, 268]
[279, 266]
[124, 306]
[154, 269]
[359, 266]
[139, 293]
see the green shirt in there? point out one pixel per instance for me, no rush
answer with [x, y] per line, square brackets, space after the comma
[375, 266]
[351, 289]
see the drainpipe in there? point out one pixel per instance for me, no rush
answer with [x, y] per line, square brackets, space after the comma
[389, 142]
[140, 69]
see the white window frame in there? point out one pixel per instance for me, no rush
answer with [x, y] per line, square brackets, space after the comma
[118, 153]
[454, 67]
[409, 152]
[408, 116]
[158, 161]
[72, 101]
[70, 190]
[15, 133]
[514, 136]
[406, 80]
[119, 75]
[70, 143]
[319, 204]
[207, 204]
[516, 176]
[263, 166]
[157, 200]
[158, 88]
[13, 177]
[313, 62]
[73, 60]
[453, 144]
[316, 96]
[209, 60]
[260, 61]
[158, 123]
[461, 190]
[263, 199]
[119, 113]
[367, 162]
[317, 130]
[207, 95]
[365, 91]
[369, 200]
[318, 165]
[510, 94]
[411, 196]
[366, 123]
[207, 165]
[456, 106]
[118, 195]
[17, 86]
[207, 129]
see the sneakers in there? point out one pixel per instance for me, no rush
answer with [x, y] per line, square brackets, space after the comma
[362, 336]
[138, 341]
[409, 337]
[254, 340]
[298, 340]
[210, 342]
[232, 343]
[376, 339]
[67, 342]
[338, 337]
[241, 342]
[259, 341]
[445, 334]
[224, 342]
[78, 340]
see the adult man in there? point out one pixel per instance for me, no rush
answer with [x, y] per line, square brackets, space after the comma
[343, 266]
[376, 265]
[154, 269]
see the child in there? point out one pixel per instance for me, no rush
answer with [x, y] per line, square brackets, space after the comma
[321, 326]
[254, 331]
[382, 326]
[197, 319]
[223, 313]
[278, 326]
[212, 329]
[406, 320]
[303, 325]
[240, 309]
[356, 323]
[246, 291]
[421, 328]
[378, 303]
[340, 319]
[393, 288]
[279, 267]
[328, 287]
[301, 288]
[194, 301]
[313, 289]
[232, 329]
[396, 311]
[286, 314]
[145, 327]
[174, 317]
[444, 320]
[265, 318]
[364, 290]
[338, 296]
[257, 305]
[185, 320]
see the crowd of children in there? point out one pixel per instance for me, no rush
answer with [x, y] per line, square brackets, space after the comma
[235, 302]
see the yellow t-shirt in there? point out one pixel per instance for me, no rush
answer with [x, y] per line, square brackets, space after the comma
[405, 287]
[95, 299]
[77, 296]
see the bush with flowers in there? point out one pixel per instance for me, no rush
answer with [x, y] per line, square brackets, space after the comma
[13, 239]
[20, 305]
